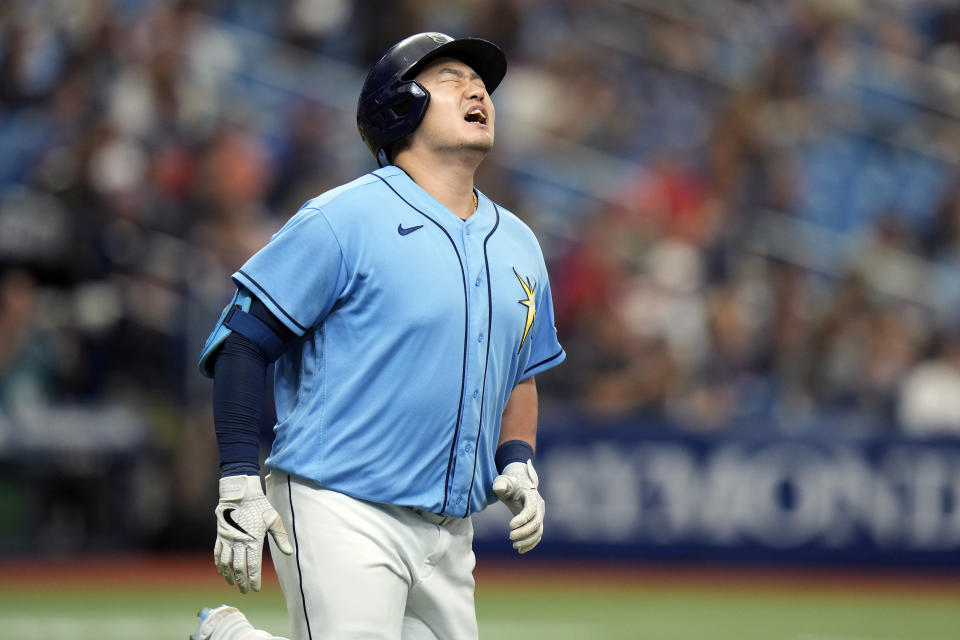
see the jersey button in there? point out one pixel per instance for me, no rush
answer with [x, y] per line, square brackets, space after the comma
[476, 393]
[468, 447]
[477, 283]
[467, 231]
[480, 338]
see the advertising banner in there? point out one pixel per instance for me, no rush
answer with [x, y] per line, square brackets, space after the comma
[669, 496]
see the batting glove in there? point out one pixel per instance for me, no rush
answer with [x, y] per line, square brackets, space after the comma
[517, 488]
[244, 517]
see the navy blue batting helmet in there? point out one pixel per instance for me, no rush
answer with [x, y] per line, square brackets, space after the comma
[392, 103]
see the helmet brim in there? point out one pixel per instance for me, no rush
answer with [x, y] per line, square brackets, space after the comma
[482, 56]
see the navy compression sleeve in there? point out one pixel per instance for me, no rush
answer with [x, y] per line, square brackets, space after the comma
[240, 371]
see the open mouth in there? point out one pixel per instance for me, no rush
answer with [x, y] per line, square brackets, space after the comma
[476, 116]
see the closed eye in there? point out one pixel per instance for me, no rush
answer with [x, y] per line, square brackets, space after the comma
[449, 73]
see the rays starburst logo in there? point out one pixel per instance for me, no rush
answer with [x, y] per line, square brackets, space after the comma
[530, 302]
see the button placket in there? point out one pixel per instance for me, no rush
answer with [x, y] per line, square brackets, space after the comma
[477, 321]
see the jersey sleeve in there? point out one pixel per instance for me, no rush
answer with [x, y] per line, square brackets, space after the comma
[545, 351]
[300, 273]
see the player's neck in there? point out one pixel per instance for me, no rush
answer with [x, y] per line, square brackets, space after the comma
[451, 183]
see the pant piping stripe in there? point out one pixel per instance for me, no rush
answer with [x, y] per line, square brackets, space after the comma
[296, 544]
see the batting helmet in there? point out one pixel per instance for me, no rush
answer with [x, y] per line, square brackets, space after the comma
[392, 103]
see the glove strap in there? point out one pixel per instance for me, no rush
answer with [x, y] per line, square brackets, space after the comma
[512, 451]
[238, 487]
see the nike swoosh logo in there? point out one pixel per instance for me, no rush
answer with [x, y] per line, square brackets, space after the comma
[404, 231]
[228, 516]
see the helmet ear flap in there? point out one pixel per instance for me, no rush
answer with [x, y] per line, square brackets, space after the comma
[398, 111]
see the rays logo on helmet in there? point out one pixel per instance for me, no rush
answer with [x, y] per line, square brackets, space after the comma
[439, 38]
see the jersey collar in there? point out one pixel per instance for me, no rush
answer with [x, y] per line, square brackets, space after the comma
[417, 197]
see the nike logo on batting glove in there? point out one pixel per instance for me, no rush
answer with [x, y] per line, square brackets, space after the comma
[244, 518]
[228, 516]
[517, 487]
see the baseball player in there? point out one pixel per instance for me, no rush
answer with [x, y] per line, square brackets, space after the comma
[408, 315]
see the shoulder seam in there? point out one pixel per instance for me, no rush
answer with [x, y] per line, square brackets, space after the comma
[326, 220]
[367, 180]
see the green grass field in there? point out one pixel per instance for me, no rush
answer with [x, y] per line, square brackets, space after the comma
[529, 613]
[537, 609]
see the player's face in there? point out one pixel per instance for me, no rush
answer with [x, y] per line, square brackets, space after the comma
[460, 114]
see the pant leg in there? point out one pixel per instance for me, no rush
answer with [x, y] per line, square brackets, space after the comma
[440, 605]
[347, 578]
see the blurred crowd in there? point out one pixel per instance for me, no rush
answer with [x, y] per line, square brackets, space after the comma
[750, 208]
[783, 251]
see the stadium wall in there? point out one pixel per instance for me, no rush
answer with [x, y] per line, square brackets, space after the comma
[658, 495]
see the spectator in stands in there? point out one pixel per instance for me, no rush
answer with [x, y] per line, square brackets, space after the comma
[929, 397]
[25, 357]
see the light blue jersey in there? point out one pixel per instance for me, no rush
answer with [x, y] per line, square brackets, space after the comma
[414, 328]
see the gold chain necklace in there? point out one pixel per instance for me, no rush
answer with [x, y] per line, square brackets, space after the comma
[475, 203]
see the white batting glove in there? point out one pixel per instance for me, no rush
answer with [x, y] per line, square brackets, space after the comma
[244, 516]
[517, 488]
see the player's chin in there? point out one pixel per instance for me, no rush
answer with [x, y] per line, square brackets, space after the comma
[478, 144]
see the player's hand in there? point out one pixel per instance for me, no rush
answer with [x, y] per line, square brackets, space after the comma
[244, 517]
[517, 488]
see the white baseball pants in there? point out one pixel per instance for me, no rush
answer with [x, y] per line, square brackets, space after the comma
[371, 571]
